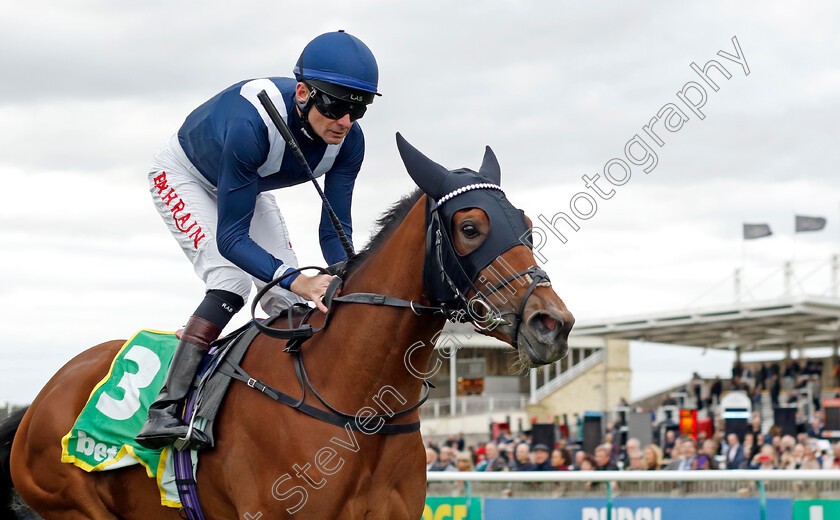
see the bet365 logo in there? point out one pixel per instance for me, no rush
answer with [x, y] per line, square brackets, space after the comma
[88, 446]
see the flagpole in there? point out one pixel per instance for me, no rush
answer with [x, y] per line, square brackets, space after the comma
[739, 273]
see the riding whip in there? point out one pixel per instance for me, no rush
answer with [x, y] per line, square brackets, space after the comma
[293, 145]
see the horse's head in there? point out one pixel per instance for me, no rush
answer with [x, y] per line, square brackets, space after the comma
[478, 263]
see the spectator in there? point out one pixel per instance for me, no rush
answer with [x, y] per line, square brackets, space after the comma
[815, 428]
[790, 374]
[507, 453]
[636, 460]
[835, 371]
[464, 462]
[765, 459]
[703, 461]
[688, 452]
[431, 459]
[831, 460]
[697, 389]
[560, 459]
[786, 444]
[587, 463]
[802, 438]
[633, 444]
[541, 458]
[522, 459]
[755, 424]
[603, 462]
[756, 397]
[761, 377]
[716, 390]
[710, 449]
[750, 448]
[759, 442]
[799, 457]
[774, 436]
[493, 460]
[775, 390]
[670, 442]
[444, 462]
[735, 455]
[475, 454]
[579, 456]
[608, 441]
[653, 457]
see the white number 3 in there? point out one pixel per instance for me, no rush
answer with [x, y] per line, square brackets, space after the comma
[122, 409]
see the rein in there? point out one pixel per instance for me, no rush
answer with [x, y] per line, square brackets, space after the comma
[296, 336]
[461, 312]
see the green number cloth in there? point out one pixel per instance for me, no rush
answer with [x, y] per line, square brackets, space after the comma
[104, 432]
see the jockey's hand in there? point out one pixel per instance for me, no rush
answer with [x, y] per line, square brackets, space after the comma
[312, 288]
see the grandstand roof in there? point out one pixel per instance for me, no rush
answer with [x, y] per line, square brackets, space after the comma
[798, 322]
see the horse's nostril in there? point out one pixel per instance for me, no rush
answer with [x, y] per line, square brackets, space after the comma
[544, 324]
[549, 322]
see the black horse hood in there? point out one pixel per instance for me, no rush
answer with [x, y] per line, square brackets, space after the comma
[452, 191]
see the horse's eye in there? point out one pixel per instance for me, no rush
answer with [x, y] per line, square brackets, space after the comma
[470, 231]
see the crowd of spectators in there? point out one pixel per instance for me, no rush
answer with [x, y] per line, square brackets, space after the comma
[807, 450]
[756, 449]
[786, 383]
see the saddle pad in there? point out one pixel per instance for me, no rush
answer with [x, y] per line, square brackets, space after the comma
[102, 437]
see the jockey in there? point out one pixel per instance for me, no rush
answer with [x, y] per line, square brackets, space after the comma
[210, 184]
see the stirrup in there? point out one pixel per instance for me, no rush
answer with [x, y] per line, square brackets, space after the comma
[187, 442]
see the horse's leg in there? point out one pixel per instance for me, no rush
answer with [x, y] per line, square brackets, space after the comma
[62, 491]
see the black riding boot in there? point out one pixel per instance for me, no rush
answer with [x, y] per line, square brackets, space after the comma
[164, 424]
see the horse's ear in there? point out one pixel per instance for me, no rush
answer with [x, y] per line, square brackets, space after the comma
[490, 167]
[426, 173]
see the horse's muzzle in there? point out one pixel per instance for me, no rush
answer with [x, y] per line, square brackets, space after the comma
[546, 335]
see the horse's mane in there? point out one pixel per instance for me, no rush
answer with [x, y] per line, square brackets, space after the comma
[385, 225]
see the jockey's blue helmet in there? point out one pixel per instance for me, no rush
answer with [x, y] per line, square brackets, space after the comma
[340, 65]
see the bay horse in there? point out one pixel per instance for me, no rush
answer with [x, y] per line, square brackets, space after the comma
[272, 461]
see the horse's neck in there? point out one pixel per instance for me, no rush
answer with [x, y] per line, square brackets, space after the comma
[374, 340]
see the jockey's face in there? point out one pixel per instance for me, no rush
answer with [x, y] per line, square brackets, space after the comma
[332, 131]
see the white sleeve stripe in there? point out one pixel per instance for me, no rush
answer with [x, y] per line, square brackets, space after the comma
[283, 269]
[277, 146]
[328, 159]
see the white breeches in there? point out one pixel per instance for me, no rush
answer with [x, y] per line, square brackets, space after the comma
[187, 203]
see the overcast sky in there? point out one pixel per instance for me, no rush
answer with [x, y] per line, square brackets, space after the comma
[89, 91]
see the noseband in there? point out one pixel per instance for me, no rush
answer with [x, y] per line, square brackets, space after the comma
[535, 277]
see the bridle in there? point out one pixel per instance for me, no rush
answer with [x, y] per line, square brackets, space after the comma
[491, 318]
[461, 312]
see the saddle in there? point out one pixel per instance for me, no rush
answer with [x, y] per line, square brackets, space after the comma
[203, 406]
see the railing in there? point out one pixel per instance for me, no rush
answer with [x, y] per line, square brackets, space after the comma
[611, 478]
[570, 374]
[473, 404]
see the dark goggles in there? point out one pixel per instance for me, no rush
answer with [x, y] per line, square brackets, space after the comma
[334, 108]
